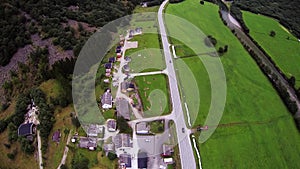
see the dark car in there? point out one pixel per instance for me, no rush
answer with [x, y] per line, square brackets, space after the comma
[182, 130]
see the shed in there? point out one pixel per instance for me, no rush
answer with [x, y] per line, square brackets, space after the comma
[56, 136]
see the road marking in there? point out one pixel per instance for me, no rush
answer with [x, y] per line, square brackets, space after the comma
[188, 114]
[174, 52]
[197, 151]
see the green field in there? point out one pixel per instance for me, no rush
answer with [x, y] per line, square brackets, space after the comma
[148, 56]
[154, 94]
[284, 48]
[256, 129]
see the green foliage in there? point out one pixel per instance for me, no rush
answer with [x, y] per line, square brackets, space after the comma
[75, 122]
[26, 146]
[210, 41]
[63, 166]
[46, 116]
[272, 33]
[111, 156]
[80, 162]
[13, 32]
[13, 154]
[286, 13]
[123, 126]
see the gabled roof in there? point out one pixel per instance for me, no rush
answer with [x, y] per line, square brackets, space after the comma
[123, 108]
[142, 160]
[111, 125]
[56, 136]
[106, 98]
[122, 140]
[108, 65]
[112, 59]
[25, 129]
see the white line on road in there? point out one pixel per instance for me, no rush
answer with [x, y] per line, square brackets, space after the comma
[197, 151]
[188, 114]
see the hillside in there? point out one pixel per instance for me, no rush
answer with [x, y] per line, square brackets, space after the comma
[285, 12]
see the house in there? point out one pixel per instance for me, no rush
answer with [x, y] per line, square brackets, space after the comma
[131, 33]
[138, 30]
[94, 130]
[125, 161]
[127, 59]
[108, 65]
[142, 128]
[118, 49]
[124, 86]
[122, 140]
[168, 160]
[126, 68]
[167, 150]
[107, 70]
[142, 160]
[111, 60]
[131, 87]
[88, 143]
[119, 55]
[106, 100]
[56, 136]
[106, 80]
[26, 129]
[111, 125]
[123, 108]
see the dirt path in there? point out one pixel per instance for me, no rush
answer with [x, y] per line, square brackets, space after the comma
[63, 160]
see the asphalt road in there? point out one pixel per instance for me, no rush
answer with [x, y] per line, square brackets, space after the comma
[185, 147]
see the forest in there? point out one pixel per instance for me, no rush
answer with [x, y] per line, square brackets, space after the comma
[20, 19]
[287, 12]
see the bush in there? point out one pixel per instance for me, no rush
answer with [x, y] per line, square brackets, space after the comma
[111, 156]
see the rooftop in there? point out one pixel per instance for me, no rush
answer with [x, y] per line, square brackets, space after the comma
[25, 129]
[122, 140]
[56, 136]
[123, 108]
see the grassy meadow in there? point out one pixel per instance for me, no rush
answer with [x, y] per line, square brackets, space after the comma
[256, 129]
[284, 48]
[153, 91]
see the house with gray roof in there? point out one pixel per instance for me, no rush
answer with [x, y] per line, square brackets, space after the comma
[122, 140]
[111, 125]
[106, 100]
[88, 143]
[123, 108]
[26, 129]
[142, 128]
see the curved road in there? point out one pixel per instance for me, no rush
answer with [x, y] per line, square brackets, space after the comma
[185, 146]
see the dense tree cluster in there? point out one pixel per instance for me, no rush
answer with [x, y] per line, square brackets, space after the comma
[46, 116]
[50, 19]
[286, 12]
[123, 126]
[13, 32]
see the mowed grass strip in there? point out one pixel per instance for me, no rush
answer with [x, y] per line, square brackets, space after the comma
[256, 130]
[284, 48]
[154, 93]
[148, 56]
